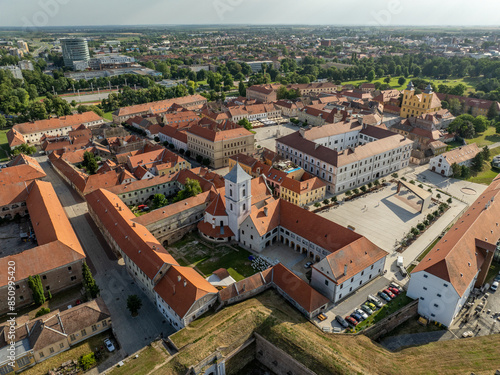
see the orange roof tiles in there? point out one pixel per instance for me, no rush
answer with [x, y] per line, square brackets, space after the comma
[57, 242]
[297, 289]
[181, 287]
[159, 106]
[132, 238]
[57, 122]
[459, 254]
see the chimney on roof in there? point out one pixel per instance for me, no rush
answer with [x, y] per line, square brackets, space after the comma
[345, 270]
[265, 211]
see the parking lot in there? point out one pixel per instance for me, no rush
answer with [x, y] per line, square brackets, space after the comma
[354, 301]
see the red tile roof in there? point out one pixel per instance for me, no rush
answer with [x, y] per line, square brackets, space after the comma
[181, 287]
[57, 122]
[132, 238]
[460, 253]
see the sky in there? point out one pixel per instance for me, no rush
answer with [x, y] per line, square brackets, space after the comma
[39, 13]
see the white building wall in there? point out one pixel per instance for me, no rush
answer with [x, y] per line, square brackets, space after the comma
[438, 299]
[168, 313]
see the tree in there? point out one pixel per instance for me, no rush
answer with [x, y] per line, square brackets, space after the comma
[36, 286]
[317, 204]
[159, 200]
[465, 172]
[486, 153]
[24, 149]
[497, 127]
[457, 171]
[42, 311]
[370, 76]
[387, 79]
[191, 189]
[87, 361]
[326, 201]
[134, 303]
[493, 111]
[199, 158]
[89, 282]
[401, 81]
[3, 122]
[89, 162]
[205, 162]
[242, 89]
[477, 162]
[480, 124]
[188, 153]
[245, 123]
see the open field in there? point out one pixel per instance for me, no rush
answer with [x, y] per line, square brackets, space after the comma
[485, 139]
[469, 82]
[192, 251]
[107, 115]
[274, 319]
[488, 173]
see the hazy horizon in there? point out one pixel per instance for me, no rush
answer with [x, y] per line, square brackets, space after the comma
[67, 13]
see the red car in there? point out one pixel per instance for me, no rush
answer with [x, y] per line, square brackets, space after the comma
[394, 290]
[351, 321]
[389, 293]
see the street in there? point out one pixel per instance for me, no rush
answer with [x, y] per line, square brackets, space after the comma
[110, 274]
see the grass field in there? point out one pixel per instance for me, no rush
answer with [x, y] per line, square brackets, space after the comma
[488, 173]
[150, 357]
[107, 115]
[485, 139]
[4, 145]
[277, 321]
[192, 251]
[469, 82]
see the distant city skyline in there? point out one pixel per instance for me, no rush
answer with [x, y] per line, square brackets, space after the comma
[40, 13]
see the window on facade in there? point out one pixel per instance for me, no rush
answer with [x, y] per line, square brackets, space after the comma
[84, 332]
[326, 282]
[426, 276]
[51, 350]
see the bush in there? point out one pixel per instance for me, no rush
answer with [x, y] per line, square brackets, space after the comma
[435, 214]
[420, 186]
[449, 200]
[363, 188]
[334, 199]
[414, 231]
[430, 217]
[355, 191]
[429, 190]
[370, 185]
[412, 182]
[426, 222]
[326, 201]
[403, 178]
[42, 311]
[86, 362]
[438, 196]
[348, 193]
[317, 204]
[376, 182]
[395, 175]
[420, 226]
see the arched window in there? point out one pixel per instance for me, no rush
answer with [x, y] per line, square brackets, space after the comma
[244, 207]
[244, 192]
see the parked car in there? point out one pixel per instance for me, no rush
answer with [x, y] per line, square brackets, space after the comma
[494, 286]
[366, 309]
[384, 296]
[358, 317]
[308, 265]
[398, 287]
[394, 290]
[341, 321]
[141, 206]
[374, 300]
[371, 305]
[109, 345]
[497, 278]
[351, 321]
[389, 293]
[362, 313]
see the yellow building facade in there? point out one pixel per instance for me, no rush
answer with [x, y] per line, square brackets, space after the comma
[414, 105]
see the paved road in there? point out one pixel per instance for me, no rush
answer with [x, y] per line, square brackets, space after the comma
[110, 274]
